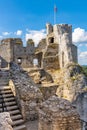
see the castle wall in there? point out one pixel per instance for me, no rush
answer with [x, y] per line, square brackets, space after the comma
[61, 35]
[58, 51]
[13, 50]
[67, 51]
[58, 114]
[5, 52]
[25, 54]
[62, 30]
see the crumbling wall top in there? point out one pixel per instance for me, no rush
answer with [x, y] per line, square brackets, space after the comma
[30, 41]
[63, 28]
[10, 40]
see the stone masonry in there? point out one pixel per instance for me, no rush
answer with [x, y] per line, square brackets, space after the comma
[12, 50]
[58, 114]
[54, 52]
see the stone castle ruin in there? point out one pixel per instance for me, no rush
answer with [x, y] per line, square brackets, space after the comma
[53, 92]
[60, 49]
[55, 51]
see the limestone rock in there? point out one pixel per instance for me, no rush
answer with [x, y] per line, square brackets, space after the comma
[27, 93]
[57, 114]
[72, 82]
[40, 76]
[5, 121]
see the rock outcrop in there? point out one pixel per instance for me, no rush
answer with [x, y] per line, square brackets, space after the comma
[5, 121]
[27, 93]
[72, 82]
[58, 114]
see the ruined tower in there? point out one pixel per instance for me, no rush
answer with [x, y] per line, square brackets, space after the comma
[59, 46]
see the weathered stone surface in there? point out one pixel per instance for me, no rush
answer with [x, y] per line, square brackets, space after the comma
[58, 114]
[11, 49]
[48, 90]
[5, 121]
[40, 76]
[81, 104]
[27, 93]
[72, 81]
[60, 34]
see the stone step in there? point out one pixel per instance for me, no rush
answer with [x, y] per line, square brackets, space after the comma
[1, 109]
[18, 122]
[7, 95]
[9, 99]
[0, 105]
[6, 91]
[22, 127]
[10, 103]
[5, 88]
[14, 112]
[3, 83]
[16, 117]
[12, 108]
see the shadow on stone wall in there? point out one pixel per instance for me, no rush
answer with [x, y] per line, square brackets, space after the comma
[3, 63]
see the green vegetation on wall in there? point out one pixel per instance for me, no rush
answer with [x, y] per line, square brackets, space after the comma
[85, 69]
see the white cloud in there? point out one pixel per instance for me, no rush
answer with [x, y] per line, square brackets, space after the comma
[83, 54]
[79, 35]
[35, 35]
[82, 58]
[19, 32]
[6, 33]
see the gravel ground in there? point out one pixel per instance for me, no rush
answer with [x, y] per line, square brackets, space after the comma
[32, 125]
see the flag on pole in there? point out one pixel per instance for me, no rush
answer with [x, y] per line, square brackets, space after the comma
[55, 13]
[55, 8]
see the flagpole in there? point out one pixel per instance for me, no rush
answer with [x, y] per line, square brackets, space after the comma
[55, 13]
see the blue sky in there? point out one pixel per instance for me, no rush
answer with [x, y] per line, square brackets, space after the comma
[27, 19]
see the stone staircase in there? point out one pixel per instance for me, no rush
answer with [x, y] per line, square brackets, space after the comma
[8, 104]
[4, 77]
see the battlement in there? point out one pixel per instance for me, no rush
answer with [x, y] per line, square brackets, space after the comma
[61, 28]
[55, 51]
[10, 40]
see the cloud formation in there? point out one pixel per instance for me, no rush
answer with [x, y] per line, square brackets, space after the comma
[35, 35]
[83, 54]
[79, 35]
[19, 32]
[82, 57]
[6, 33]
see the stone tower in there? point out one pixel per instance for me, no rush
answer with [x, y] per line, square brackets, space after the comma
[59, 46]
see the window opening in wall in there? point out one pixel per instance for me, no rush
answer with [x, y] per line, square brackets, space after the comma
[35, 62]
[51, 40]
[19, 60]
